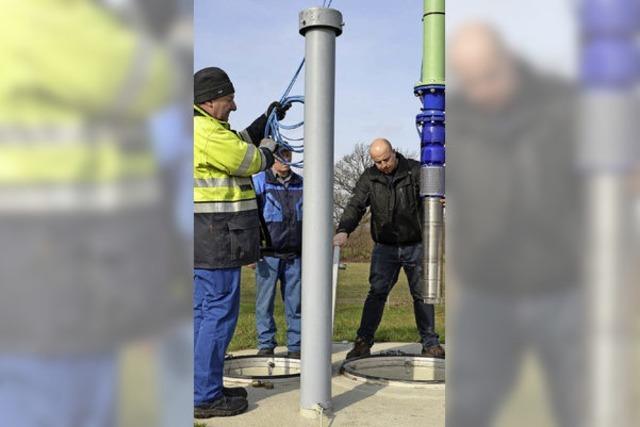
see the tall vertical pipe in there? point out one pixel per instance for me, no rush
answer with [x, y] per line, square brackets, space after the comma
[431, 125]
[433, 23]
[320, 27]
[608, 154]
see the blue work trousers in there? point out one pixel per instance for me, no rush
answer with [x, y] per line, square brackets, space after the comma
[216, 304]
[269, 271]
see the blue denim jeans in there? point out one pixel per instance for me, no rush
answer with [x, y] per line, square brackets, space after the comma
[216, 304]
[269, 271]
[59, 391]
[386, 262]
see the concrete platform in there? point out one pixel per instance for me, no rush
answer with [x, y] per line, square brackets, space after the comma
[354, 403]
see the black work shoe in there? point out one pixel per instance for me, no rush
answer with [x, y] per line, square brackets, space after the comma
[293, 354]
[234, 392]
[434, 351]
[360, 348]
[265, 352]
[224, 406]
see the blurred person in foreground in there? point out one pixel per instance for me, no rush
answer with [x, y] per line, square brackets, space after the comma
[391, 188]
[279, 192]
[513, 230]
[172, 135]
[84, 266]
[226, 231]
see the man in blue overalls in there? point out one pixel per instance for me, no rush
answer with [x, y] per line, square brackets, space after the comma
[226, 231]
[279, 193]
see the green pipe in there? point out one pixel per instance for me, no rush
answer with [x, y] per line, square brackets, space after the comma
[433, 21]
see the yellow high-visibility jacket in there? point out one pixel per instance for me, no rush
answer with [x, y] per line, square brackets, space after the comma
[76, 89]
[83, 230]
[226, 222]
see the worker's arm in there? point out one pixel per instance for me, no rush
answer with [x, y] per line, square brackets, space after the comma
[357, 205]
[219, 148]
[254, 133]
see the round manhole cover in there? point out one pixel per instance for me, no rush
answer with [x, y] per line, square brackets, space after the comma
[247, 369]
[405, 370]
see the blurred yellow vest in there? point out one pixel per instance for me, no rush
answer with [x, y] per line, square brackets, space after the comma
[75, 91]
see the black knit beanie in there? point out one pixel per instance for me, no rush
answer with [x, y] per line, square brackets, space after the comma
[211, 83]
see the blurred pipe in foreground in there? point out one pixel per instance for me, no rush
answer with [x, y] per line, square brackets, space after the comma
[608, 157]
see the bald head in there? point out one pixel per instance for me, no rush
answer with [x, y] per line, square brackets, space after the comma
[379, 146]
[483, 65]
[383, 156]
[476, 44]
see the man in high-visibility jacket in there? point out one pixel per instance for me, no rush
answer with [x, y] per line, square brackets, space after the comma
[226, 231]
[82, 209]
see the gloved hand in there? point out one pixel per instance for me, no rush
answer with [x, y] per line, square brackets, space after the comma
[269, 144]
[340, 239]
[281, 111]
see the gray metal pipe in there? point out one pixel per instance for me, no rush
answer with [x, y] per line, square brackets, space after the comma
[433, 246]
[334, 284]
[320, 27]
[611, 251]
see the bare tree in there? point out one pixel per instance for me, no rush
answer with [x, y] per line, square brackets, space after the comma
[413, 154]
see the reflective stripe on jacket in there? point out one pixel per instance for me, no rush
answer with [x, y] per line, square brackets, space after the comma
[223, 164]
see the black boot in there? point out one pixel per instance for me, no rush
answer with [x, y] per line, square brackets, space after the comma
[224, 406]
[433, 351]
[360, 348]
[234, 392]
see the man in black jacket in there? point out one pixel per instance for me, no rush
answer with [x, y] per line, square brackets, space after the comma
[391, 189]
[514, 233]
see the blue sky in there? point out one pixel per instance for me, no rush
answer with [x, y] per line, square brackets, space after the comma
[378, 55]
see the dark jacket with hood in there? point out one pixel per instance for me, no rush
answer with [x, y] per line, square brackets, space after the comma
[514, 214]
[394, 201]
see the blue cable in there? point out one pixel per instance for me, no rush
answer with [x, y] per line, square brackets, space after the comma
[274, 127]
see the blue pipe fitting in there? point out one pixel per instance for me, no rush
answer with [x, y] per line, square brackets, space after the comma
[431, 124]
[610, 57]
[432, 155]
[610, 17]
[610, 62]
[609, 71]
[431, 96]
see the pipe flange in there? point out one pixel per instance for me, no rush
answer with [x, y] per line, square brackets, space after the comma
[323, 17]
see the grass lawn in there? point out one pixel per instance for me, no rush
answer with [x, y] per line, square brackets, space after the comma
[398, 322]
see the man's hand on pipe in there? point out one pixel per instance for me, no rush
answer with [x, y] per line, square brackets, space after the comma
[340, 239]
